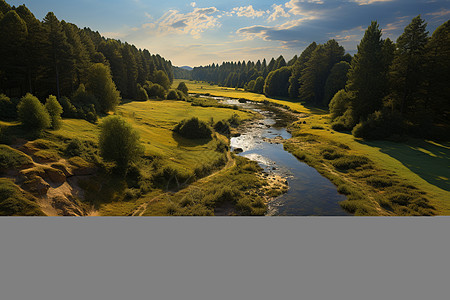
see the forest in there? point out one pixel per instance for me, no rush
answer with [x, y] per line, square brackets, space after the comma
[386, 89]
[94, 126]
[53, 57]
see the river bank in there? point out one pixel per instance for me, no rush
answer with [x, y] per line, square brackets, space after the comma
[407, 178]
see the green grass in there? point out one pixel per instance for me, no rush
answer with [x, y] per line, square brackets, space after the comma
[155, 120]
[12, 158]
[15, 202]
[235, 188]
[199, 87]
[422, 164]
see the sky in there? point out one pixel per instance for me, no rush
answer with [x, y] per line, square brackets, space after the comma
[194, 33]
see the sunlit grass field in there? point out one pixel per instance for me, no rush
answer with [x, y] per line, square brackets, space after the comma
[202, 87]
[154, 120]
[424, 164]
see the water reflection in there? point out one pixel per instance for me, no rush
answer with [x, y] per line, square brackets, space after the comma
[309, 192]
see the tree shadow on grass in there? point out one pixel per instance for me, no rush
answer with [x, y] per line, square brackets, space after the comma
[184, 142]
[429, 160]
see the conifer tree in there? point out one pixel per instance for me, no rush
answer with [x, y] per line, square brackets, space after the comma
[408, 67]
[366, 77]
[60, 55]
[438, 70]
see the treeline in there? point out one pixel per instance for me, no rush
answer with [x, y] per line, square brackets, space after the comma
[393, 89]
[56, 57]
[388, 88]
[314, 76]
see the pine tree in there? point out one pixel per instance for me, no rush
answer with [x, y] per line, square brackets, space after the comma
[366, 77]
[438, 70]
[318, 68]
[33, 47]
[408, 67]
[60, 55]
[335, 81]
[298, 68]
[13, 36]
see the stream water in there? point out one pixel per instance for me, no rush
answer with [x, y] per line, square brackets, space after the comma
[309, 194]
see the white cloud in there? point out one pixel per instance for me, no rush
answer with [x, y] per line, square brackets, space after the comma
[193, 23]
[193, 4]
[247, 11]
[278, 12]
[305, 7]
[367, 2]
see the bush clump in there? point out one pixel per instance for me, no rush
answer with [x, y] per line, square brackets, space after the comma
[222, 127]
[379, 125]
[32, 113]
[119, 142]
[141, 94]
[350, 162]
[155, 90]
[183, 88]
[172, 95]
[193, 129]
[55, 110]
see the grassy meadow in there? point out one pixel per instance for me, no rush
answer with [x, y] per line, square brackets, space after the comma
[169, 160]
[417, 170]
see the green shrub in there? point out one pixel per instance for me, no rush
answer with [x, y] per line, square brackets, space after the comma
[69, 110]
[379, 182]
[401, 198]
[32, 113]
[74, 148]
[183, 88]
[344, 189]
[350, 162]
[222, 127]
[81, 98]
[141, 94]
[331, 154]
[234, 120]
[344, 122]
[193, 129]
[172, 95]
[379, 125]
[14, 202]
[155, 90]
[119, 142]
[55, 110]
[12, 158]
[340, 103]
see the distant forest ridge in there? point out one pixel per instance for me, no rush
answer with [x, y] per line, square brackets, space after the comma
[54, 57]
[385, 88]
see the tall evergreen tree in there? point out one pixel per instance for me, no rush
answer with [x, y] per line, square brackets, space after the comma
[60, 55]
[318, 68]
[335, 81]
[33, 48]
[408, 67]
[438, 70]
[367, 76]
[13, 35]
[298, 68]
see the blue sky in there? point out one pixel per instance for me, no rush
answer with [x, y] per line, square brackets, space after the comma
[202, 32]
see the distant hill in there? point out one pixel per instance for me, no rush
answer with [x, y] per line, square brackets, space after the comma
[182, 72]
[186, 68]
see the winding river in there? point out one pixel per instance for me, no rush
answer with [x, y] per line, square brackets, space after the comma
[309, 194]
